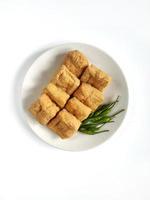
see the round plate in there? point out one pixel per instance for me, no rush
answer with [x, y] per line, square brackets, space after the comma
[43, 69]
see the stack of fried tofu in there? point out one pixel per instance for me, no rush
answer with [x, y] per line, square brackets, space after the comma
[74, 92]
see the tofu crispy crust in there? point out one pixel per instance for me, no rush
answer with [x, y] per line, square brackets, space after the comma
[89, 96]
[78, 109]
[59, 96]
[48, 111]
[66, 80]
[96, 77]
[76, 62]
[35, 108]
[44, 109]
[64, 124]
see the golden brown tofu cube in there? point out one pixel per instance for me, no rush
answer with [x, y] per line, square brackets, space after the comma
[78, 109]
[89, 96]
[96, 77]
[76, 62]
[48, 109]
[43, 117]
[64, 124]
[66, 80]
[59, 96]
[35, 108]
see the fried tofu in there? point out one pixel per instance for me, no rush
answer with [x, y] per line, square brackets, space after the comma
[35, 108]
[48, 109]
[66, 80]
[76, 62]
[64, 124]
[44, 109]
[78, 109]
[89, 96]
[59, 96]
[82, 83]
[96, 77]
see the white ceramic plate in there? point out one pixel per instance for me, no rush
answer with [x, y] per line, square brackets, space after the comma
[42, 70]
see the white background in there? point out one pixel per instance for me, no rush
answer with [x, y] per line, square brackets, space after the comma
[118, 169]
